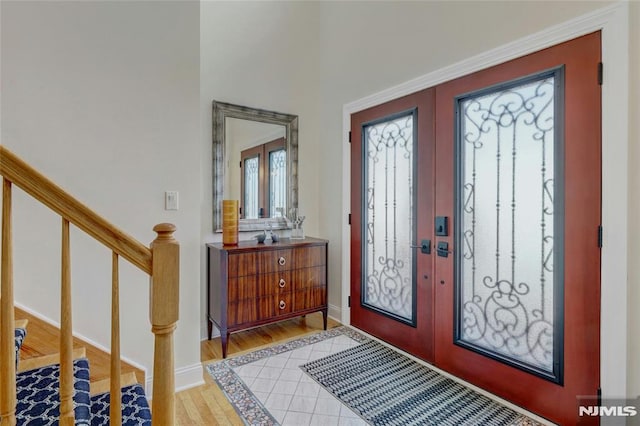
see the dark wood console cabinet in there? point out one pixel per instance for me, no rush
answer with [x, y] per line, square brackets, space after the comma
[252, 284]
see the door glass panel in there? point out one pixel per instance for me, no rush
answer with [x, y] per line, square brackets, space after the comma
[277, 182]
[251, 187]
[509, 266]
[389, 217]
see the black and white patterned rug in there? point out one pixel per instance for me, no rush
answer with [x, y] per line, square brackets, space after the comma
[380, 385]
[387, 388]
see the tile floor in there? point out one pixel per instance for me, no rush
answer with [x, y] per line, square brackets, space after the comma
[290, 395]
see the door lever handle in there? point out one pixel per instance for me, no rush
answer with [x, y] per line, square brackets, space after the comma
[443, 249]
[425, 246]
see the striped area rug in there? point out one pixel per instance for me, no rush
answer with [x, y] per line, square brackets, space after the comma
[387, 388]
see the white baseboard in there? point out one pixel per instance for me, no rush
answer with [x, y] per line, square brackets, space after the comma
[335, 313]
[185, 378]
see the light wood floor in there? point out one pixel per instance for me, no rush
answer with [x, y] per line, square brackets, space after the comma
[206, 404]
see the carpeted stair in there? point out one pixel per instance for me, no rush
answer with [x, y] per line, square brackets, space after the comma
[39, 398]
[135, 408]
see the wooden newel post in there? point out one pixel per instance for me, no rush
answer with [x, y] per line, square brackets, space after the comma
[163, 307]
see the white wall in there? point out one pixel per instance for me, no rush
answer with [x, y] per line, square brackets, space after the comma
[103, 97]
[633, 325]
[262, 55]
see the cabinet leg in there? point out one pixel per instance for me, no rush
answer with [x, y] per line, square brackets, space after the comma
[324, 318]
[224, 338]
[209, 328]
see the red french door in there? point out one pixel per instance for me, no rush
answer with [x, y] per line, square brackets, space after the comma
[391, 213]
[508, 192]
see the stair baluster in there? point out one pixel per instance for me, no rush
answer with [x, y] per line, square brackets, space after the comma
[67, 416]
[7, 349]
[115, 409]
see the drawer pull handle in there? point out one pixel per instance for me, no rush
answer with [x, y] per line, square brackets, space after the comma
[281, 261]
[282, 304]
[282, 283]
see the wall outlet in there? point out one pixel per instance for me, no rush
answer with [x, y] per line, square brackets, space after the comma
[171, 200]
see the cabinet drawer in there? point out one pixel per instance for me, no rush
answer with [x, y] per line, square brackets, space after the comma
[269, 261]
[311, 298]
[251, 310]
[310, 256]
[262, 308]
[243, 264]
[278, 282]
[306, 278]
[284, 303]
[247, 287]
[255, 286]
[287, 259]
[276, 261]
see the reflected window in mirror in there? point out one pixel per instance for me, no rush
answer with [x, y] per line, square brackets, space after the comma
[277, 184]
[251, 197]
[264, 180]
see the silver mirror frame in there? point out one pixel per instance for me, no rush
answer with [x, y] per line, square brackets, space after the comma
[221, 111]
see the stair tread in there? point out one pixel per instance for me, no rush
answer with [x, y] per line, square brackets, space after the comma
[135, 407]
[104, 385]
[38, 395]
[46, 360]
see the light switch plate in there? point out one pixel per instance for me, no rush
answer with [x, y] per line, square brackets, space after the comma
[171, 200]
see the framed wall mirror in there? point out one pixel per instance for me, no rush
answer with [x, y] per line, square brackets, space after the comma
[255, 161]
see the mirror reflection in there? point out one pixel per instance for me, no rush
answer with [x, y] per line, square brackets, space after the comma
[255, 162]
[257, 167]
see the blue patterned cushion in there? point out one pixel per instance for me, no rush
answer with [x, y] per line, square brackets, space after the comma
[39, 396]
[135, 407]
[20, 334]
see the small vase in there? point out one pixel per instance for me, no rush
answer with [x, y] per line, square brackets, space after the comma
[297, 233]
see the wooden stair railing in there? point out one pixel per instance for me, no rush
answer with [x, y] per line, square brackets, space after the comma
[160, 261]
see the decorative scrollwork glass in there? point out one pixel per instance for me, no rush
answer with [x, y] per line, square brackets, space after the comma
[509, 173]
[389, 219]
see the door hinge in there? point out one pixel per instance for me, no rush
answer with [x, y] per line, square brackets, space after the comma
[600, 73]
[349, 301]
[349, 136]
[349, 218]
[240, 164]
[600, 236]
